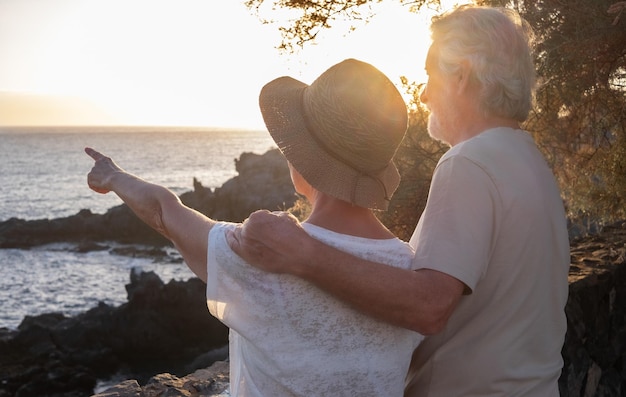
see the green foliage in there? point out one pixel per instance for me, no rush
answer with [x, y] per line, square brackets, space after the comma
[306, 18]
[580, 118]
[301, 209]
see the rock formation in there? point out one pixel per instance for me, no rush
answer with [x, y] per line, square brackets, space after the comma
[212, 381]
[162, 328]
[594, 352]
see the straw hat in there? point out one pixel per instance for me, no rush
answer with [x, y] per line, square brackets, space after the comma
[341, 132]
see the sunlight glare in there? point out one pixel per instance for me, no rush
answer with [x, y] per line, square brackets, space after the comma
[195, 62]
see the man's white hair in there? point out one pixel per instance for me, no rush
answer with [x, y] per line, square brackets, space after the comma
[496, 44]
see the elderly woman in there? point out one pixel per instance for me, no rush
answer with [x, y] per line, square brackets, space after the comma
[287, 337]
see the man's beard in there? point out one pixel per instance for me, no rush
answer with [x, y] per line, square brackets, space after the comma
[435, 129]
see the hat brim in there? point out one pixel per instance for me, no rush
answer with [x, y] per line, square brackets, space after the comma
[280, 102]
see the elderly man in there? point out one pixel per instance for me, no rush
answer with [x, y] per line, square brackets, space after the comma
[489, 279]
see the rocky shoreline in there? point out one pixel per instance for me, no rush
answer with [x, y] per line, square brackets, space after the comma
[263, 182]
[162, 327]
[165, 343]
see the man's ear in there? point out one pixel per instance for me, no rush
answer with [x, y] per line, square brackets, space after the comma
[464, 76]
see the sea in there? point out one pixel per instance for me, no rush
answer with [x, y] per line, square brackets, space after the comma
[43, 174]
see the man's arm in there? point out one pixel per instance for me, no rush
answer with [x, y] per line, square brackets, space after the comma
[420, 300]
[158, 207]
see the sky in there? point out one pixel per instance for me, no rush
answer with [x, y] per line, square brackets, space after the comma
[174, 62]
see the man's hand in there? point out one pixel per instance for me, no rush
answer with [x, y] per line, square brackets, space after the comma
[274, 242]
[99, 177]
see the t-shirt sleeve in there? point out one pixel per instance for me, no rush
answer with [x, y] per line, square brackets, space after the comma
[236, 292]
[456, 231]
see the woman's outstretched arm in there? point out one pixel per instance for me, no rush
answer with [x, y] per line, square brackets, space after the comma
[158, 207]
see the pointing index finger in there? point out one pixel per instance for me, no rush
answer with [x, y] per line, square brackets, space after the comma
[94, 154]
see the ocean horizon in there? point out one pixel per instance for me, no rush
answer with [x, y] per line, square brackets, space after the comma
[44, 169]
[44, 176]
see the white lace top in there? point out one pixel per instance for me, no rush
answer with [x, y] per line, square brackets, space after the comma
[289, 338]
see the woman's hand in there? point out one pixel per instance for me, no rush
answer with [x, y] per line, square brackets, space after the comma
[99, 178]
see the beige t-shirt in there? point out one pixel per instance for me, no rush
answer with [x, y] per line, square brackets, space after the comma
[495, 220]
[289, 338]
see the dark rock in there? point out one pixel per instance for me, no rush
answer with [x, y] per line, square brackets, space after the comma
[128, 388]
[264, 182]
[89, 246]
[57, 379]
[208, 358]
[201, 198]
[206, 382]
[594, 352]
[137, 252]
[118, 224]
[161, 328]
